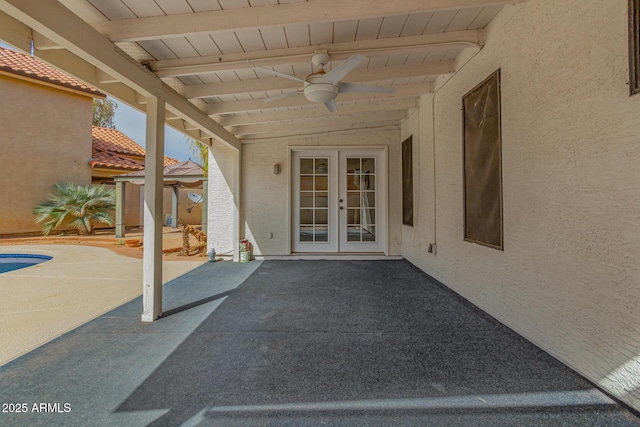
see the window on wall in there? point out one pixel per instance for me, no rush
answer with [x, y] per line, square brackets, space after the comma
[634, 46]
[482, 164]
[407, 182]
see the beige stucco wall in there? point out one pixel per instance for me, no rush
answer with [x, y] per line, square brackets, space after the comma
[568, 278]
[45, 137]
[265, 196]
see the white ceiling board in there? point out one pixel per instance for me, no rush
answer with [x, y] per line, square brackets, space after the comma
[368, 28]
[274, 37]
[190, 80]
[345, 31]
[209, 78]
[440, 21]
[255, 3]
[250, 40]
[321, 33]
[227, 42]
[113, 9]
[399, 59]
[416, 58]
[392, 26]
[436, 55]
[228, 76]
[246, 74]
[204, 5]
[143, 8]
[302, 69]
[233, 4]
[487, 14]
[181, 47]
[297, 35]
[464, 18]
[172, 7]
[204, 45]
[157, 49]
[416, 23]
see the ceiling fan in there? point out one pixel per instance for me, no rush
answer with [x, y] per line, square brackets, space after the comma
[323, 87]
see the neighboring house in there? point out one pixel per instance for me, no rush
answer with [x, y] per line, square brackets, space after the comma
[45, 116]
[45, 129]
[549, 247]
[114, 154]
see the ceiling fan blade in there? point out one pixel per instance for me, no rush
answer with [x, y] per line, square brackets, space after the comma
[331, 106]
[355, 88]
[284, 95]
[338, 73]
[279, 74]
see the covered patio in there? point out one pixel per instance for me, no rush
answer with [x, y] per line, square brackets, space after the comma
[303, 343]
[491, 144]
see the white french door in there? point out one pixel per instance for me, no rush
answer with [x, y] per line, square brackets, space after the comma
[339, 202]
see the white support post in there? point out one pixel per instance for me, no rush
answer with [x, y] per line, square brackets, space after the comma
[223, 201]
[120, 212]
[175, 192]
[205, 203]
[152, 250]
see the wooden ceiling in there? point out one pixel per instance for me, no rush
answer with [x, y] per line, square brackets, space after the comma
[207, 51]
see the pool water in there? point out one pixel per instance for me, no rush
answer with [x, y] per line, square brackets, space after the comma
[10, 262]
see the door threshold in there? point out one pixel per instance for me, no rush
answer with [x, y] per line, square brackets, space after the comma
[350, 256]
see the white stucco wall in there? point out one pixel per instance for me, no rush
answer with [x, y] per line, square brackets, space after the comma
[569, 276]
[223, 206]
[265, 196]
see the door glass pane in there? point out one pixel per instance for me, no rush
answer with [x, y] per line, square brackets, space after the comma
[306, 166]
[306, 183]
[369, 234]
[321, 234]
[322, 183]
[306, 234]
[306, 199]
[368, 165]
[306, 216]
[353, 216]
[353, 164]
[321, 200]
[321, 166]
[353, 233]
[322, 216]
[369, 199]
[368, 182]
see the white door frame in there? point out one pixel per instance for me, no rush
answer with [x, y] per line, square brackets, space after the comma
[337, 190]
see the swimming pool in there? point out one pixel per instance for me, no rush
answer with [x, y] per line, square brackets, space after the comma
[10, 262]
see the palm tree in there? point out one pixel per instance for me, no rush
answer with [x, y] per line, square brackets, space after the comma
[78, 206]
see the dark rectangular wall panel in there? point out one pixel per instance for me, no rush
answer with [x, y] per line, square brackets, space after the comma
[407, 182]
[482, 164]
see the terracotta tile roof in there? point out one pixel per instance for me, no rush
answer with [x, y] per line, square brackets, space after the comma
[112, 140]
[112, 148]
[27, 66]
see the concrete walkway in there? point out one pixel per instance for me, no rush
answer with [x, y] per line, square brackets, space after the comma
[301, 343]
[80, 283]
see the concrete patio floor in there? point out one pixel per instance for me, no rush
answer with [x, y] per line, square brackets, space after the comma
[301, 343]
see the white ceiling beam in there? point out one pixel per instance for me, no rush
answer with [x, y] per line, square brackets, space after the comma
[169, 26]
[336, 120]
[359, 75]
[318, 111]
[284, 132]
[402, 91]
[63, 27]
[337, 51]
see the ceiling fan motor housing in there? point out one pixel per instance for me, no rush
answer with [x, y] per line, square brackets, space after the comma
[318, 89]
